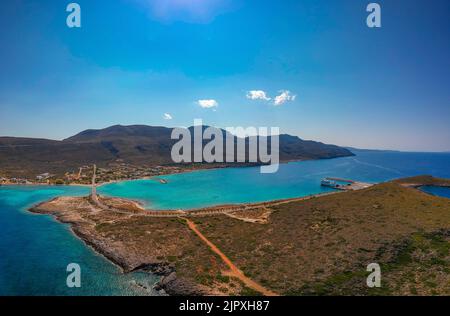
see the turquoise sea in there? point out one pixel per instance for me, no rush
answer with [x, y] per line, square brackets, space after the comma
[240, 185]
[35, 249]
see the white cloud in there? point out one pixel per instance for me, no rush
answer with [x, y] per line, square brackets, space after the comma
[285, 96]
[257, 95]
[208, 104]
[167, 116]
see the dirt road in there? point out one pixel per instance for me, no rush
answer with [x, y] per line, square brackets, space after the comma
[234, 271]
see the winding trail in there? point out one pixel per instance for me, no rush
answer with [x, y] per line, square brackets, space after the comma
[234, 271]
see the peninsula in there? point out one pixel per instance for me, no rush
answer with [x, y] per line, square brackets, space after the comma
[318, 245]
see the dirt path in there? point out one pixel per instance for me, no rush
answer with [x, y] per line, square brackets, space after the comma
[234, 271]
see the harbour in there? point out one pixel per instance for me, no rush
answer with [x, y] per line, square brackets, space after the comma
[344, 184]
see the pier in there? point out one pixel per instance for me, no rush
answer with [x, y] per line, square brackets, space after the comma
[345, 184]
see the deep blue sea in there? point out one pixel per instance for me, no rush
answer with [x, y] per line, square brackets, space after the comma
[35, 249]
[438, 191]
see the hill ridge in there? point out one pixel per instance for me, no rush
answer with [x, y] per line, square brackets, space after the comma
[141, 145]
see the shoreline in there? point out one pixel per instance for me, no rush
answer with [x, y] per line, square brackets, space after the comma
[187, 170]
[285, 162]
[169, 283]
[95, 245]
[43, 185]
[205, 167]
[68, 210]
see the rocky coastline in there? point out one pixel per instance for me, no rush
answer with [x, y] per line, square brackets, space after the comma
[169, 282]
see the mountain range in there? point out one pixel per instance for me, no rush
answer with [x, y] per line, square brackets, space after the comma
[136, 144]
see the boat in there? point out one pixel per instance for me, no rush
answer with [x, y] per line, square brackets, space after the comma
[328, 183]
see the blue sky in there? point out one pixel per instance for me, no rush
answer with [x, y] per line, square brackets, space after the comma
[133, 61]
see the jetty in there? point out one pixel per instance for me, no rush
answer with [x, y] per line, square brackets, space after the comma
[344, 184]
